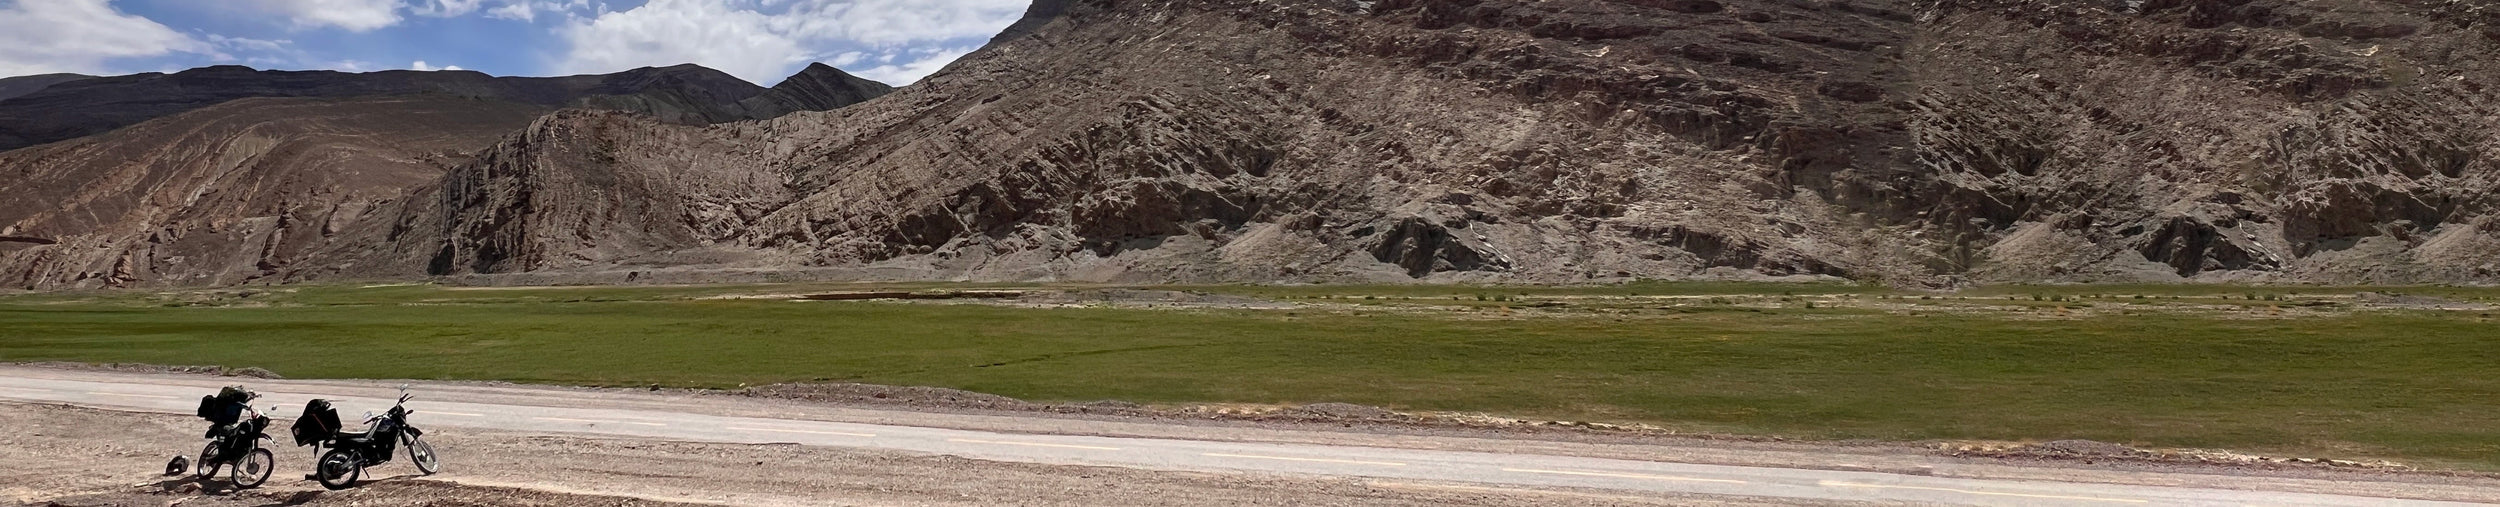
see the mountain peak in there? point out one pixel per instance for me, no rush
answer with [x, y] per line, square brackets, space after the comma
[819, 72]
[818, 87]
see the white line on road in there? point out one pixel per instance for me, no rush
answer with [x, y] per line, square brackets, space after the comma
[454, 414]
[837, 433]
[132, 395]
[585, 421]
[1989, 493]
[1031, 444]
[1621, 476]
[1315, 460]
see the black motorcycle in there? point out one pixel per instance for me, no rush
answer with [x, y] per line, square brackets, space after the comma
[351, 452]
[234, 434]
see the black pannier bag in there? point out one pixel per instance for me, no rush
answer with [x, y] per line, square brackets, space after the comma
[319, 422]
[208, 408]
[226, 406]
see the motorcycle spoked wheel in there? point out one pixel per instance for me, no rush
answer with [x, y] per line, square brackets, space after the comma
[422, 455]
[339, 469]
[253, 469]
[208, 462]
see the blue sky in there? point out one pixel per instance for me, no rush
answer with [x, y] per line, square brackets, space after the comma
[895, 41]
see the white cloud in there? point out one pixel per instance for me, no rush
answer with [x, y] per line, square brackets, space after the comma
[421, 66]
[921, 65]
[887, 22]
[352, 15]
[526, 11]
[222, 49]
[670, 32]
[45, 36]
[248, 44]
[446, 8]
[846, 59]
[766, 40]
[519, 11]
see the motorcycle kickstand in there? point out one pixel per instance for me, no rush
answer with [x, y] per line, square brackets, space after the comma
[316, 473]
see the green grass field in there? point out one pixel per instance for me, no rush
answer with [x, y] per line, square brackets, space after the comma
[2416, 386]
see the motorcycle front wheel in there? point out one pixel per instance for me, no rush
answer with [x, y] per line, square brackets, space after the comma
[253, 469]
[422, 454]
[339, 469]
[208, 461]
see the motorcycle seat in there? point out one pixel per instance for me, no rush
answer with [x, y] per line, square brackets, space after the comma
[360, 437]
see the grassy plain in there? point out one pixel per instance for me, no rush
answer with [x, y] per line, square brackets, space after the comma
[2300, 371]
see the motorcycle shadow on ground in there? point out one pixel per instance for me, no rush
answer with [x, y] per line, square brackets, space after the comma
[195, 485]
[225, 488]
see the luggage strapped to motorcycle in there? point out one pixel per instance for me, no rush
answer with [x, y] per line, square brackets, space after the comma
[319, 423]
[226, 406]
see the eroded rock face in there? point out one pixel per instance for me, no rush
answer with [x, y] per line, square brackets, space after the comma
[237, 191]
[1424, 247]
[1908, 141]
[566, 191]
[1335, 141]
[1924, 142]
[227, 194]
[2226, 140]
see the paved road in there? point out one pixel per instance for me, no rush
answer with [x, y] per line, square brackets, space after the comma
[566, 417]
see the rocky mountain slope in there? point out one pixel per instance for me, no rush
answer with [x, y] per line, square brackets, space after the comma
[687, 94]
[1920, 142]
[1927, 142]
[231, 192]
[216, 195]
[14, 87]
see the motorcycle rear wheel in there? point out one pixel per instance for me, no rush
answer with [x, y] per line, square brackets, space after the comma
[208, 461]
[253, 469]
[339, 469]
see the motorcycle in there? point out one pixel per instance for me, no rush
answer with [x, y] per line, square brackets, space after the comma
[351, 452]
[234, 436]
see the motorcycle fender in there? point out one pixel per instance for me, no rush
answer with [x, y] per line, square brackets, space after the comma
[413, 431]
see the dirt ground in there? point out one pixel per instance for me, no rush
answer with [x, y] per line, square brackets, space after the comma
[71, 456]
[667, 471]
